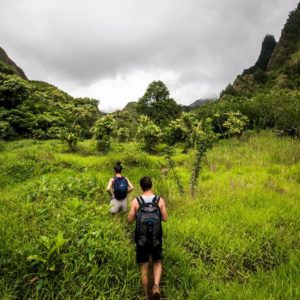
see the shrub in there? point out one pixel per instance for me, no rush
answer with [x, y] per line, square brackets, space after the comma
[203, 138]
[235, 124]
[103, 130]
[6, 131]
[149, 133]
[71, 137]
[123, 134]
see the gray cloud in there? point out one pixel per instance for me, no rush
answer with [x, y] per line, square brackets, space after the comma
[79, 43]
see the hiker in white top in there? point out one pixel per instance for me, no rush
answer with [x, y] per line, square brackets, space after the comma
[148, 210]
[118, 187]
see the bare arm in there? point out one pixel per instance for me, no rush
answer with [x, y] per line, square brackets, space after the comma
[133, 210]
[109, 187]
[130, 186]
[163, 210]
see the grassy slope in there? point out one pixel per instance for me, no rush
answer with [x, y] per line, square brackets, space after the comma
[239, 239]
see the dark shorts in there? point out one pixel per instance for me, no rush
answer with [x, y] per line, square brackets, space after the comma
[143, 253]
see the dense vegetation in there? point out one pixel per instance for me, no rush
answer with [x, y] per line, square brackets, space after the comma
[34, 109]
[237, 238]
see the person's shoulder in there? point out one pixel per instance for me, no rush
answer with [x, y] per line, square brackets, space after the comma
[161, 200]
[134, 201]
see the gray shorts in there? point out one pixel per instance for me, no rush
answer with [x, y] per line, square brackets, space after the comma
[118, 205]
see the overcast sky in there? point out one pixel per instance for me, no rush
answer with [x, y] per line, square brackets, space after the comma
[112, 49]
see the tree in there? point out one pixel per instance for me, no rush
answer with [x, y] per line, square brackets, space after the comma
[13, 91]
[157, 104]
[103, 130]
[85, 112]
[149, 133]
[6, 131]
[174, 132]
[183, 129]
[123, 134]
[71, 137]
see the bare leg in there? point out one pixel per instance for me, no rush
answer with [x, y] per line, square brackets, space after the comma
[157, 270]
[144, 277]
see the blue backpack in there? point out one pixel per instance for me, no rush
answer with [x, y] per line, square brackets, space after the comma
[120, 187]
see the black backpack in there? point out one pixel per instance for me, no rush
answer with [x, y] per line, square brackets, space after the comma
[120, 187]
[148, 223]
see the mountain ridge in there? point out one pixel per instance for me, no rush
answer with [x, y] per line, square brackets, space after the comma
[278, 65]
[14, 67]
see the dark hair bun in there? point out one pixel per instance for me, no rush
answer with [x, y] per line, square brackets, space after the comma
[118, 167]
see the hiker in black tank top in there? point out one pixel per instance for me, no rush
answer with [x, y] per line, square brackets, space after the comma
[118, 200]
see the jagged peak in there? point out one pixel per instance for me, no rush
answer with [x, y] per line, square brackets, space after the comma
[6, 60]
[268, 45]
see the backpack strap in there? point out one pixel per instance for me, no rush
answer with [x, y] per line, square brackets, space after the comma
[140, 200]
[155, 199]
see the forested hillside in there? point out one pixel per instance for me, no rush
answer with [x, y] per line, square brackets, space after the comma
[35, 109]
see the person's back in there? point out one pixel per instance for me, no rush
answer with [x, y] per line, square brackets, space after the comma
[148, 244]
[118, 187]
[148, 221]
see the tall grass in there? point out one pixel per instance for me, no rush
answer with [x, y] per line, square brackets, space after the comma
[238, 238]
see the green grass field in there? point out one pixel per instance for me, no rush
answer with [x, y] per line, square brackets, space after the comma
[238, 238]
